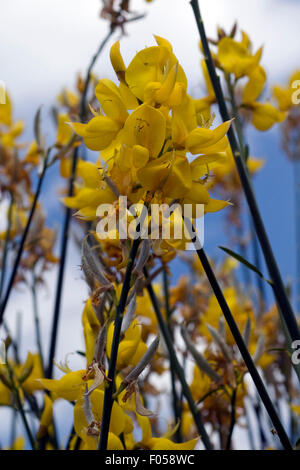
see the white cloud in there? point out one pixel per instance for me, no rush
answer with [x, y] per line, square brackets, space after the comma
[47, 43]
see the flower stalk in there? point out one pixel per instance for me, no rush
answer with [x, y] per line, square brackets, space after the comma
[108, 397]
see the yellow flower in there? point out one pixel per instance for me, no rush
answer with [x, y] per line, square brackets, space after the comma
[236, 57]
[68, 387]
[153, 73]
[64, 131]
[87, 421]
[33, 154]
[94, 192]
[265, 116]
[283, 95]
[6, 111]
[46, 418]
[91, 328]
[8, 138]
[208, 141]
[160, 443]
[131, 348]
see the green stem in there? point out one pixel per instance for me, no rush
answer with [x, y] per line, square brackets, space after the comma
[108, 396]
[37, 320]
[15, 412]
[278, 286]
[15, 391]
[176, 408]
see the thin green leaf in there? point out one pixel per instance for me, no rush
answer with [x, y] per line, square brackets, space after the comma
[37, 128]
[245, 263]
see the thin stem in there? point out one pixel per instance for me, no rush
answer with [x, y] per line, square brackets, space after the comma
[178, 369]
[237, 119]
[15, 391]
[277, 283]
[108, 396]
[176, 409]
[233, 418]
[37, 320]
[23, 239]
[15, 412]
[6, 243]
[68, 213]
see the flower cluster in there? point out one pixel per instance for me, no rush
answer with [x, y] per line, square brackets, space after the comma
[145, 130]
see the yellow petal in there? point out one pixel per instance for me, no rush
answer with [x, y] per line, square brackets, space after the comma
[68, 387]
[64, 131]
[198, 193]
[117, 60]
[202, 140]
[145, 126]
[114, 442]
[33, 154]
[167, 86]
[128, 97]
[215, 205]
[265, 116]
[200, 165]
[255, 85]
[108, 95]
[185, 118]
[283, 97]
[140, 156]
[89, 197]
[145, 67]
[6, 111]
[98, 133]
[160, 443]
[90, 173]
[46, 418]
[235, 57]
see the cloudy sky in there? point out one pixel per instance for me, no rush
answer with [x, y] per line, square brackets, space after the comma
[44, 44]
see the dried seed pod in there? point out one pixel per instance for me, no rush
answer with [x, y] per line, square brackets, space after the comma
[259, 349]
[128, 317]
[111, 185]
[100, 345]
[139, 407]
[147, 357]
[86, 406]
[220, 342]
[100, 307]
[91, 266]
[199, 359]
[247, 332]
[143, 257]
[222, 327]
[99, 377]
